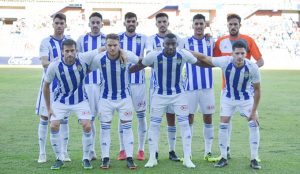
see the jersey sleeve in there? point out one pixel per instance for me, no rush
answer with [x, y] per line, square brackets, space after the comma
[132, 58]
[78, 43]
[255, 74]
[221, 61]
[50, 73]
[95, 63]
[149, 59]
[254, 50]
[87, 57]
[149, 44]
[217, 52]
[44, 49]
[189, 56]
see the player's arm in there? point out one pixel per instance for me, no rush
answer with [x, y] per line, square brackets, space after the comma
[260, 62]
[137, 67]
[203, 60]
[46, 91]
[44, 61]
[257, 92]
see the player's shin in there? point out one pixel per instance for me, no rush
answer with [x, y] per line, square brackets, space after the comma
[87, 140]
[128, 138]
[153, 135]
[56, 143]
[223, 138]
[185, 136]
[142, 129]
[105, 139]
[254, 138]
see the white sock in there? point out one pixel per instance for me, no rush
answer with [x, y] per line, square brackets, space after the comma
[208, 134]
[105, 139]
[223, 139]
[229, 134]
[56, 143]
[191, 127]
[121, 136]
[172, 137]
[185, 130]
[42, 133]
[153, 135]
[64, 131]
[93, 134]
[87, 140]
[254, 138]
[142, 129]
[128, 138]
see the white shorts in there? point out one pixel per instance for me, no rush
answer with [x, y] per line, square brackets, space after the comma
[162, 103]
[40, 107]
[204, 98]
[138, 96]
[230, 106]
[93, 94]
[108, 107]
[170, 109]
[62, 111]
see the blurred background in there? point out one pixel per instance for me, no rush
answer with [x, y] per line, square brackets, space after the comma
[274, 24]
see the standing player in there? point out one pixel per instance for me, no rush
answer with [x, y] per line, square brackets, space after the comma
[93, 40]
[70, 72]
[169, 92]
[199, 83]
[240, 74]
[115, 96]
[50, 49]
[155, 42]
[224, 48]
[132, 41]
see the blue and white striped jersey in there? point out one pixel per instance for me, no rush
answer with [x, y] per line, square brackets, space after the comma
[168, 70]
[198, 77]
[155, 43]
[51, 48]
[70, 78]
[87, 43]
[115, 75]
[238, 80]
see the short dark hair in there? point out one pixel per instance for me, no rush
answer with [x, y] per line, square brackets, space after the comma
[68, 42]
[239, 44]
[60, 16]
[96, 14]
[130, 15]
[199, 16]
[112, 36]
[158, 15]
[170, 36]
[233, 15]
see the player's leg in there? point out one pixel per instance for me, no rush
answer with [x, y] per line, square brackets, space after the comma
[126, 115]
[64, 129]
[182, 111]
[171, 134]
[207, 108]
[254, 135]
[138, 95]
[106, 113]
[193, 102]
[60, 111]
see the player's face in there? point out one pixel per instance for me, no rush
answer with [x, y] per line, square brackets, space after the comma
[95, 23]
[112, 47]
[239, 55]
[162, 24]
[170, 46]
[69, 52]
[59, 26]
[233, 26]
[130, 24]
[199, 26]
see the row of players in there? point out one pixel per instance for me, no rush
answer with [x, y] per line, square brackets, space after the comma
[165, 83]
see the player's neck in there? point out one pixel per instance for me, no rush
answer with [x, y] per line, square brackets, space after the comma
[58, 36]
[113, 57]
[130, 34]
[199, 36]
[162, 34]
[234, 36]
[95, 34]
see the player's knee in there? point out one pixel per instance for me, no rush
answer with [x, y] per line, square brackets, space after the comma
[191, 118]
[86, 125]
[170, 119]
[207, 118]
[45, 118]
[55, 125]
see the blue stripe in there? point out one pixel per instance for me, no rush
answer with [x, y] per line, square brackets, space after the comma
[210, 75]
[157, 42]
[138, 53]
[208, 125]
[122, 40]
[113, 79]
[94, 46]
[156, 119]
[227, 78]
[81, 75]
[160, 73]
[104, 73]
[40, 97]
[222, 126]
[122, 76]
[188, 76]
[202, 70]
[64, 81]
[178, 73]
[182, 118]
[74, 83]
[85, 49]
[43, 122]
[54, 49]
[169, 75]
[244, 85]
[235, 84]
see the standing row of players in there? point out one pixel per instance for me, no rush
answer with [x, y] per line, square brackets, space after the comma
[165, 85]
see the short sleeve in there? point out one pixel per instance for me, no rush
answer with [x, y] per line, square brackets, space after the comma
[255, 74]
[50, 73]
[44, 50]
[132, 58]
[87, 57]
[149, 44]
[221, 61]
[95, 63]
[149, 59]
[79, 44]
[189, 56]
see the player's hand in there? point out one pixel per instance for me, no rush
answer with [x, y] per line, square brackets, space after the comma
[123, 57]
[253, 117]
[50, 113]
[102, 49]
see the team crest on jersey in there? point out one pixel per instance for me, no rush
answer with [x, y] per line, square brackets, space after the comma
[102, 42]
[208, 43]
[103, 66]
[158, 45]
[179, 60]
[79, 67]
[138, 40]
[160, 62]
[123, 66]
[54, 47]
[191, 44]
[246, 74]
